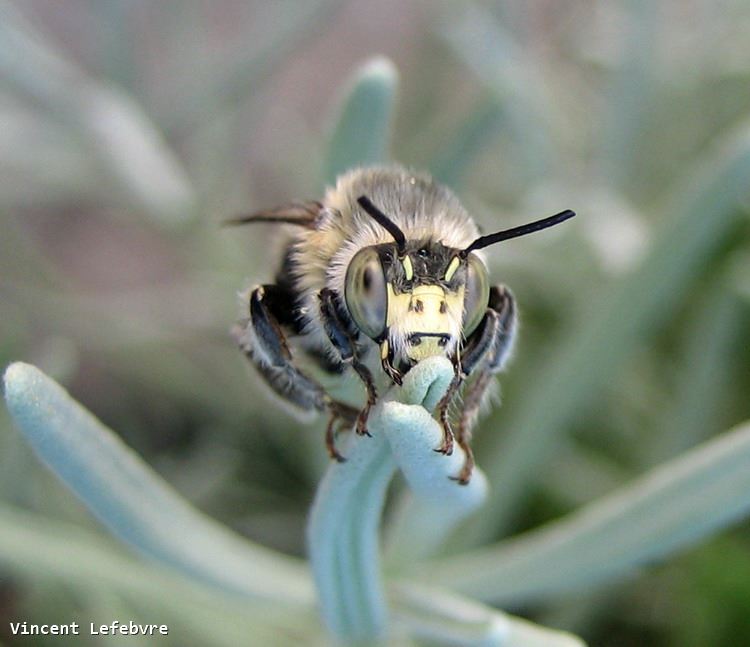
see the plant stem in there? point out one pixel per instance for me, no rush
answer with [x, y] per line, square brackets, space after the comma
[345, 517]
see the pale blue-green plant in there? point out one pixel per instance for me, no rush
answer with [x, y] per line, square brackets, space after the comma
[144, 512]
[525, 143]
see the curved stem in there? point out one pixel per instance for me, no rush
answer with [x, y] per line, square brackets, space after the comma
[342, 537]
[344, 521]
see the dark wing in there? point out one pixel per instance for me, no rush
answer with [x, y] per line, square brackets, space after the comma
[303, 214]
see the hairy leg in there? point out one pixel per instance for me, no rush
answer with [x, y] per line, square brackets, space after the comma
[261, 337]
[342, 334]
[485, 355]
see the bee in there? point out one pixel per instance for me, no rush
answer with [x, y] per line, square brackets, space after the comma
[385, 271]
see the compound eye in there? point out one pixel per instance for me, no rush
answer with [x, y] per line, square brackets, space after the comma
[365, 292]
[477, 295]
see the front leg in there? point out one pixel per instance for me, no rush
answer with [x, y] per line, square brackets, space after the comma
[491, 343]
[486, 352]
[446, 446]
[262, 339]
[342, 334]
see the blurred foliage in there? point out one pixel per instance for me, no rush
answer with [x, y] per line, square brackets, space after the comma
[131, 128]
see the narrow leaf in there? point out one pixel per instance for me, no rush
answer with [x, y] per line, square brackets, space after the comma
[36, 548]
[632, 92]
[362, 129]
[133, 502]
[669, 508]
[491, 52]
[702, 378]
[454, 159]
[448, 619]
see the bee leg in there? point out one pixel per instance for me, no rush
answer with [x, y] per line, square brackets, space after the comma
[386, 361]
[331, 441]
[446, 447]
[343, 335]
[339, 413]
[263, 341]
[472, 400]
[503, 304]
[372, 397]
[486, 352]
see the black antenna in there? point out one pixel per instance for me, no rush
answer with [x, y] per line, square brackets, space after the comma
[303, 214]
[514, 232]
[264, 217]
[384, 221]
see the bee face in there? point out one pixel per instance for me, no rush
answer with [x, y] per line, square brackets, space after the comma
[422, 300]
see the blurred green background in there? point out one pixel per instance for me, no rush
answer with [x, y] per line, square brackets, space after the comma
[129, 129]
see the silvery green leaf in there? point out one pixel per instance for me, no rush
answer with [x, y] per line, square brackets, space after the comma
[491, 52]
[448, 619]
[36, 547]
[133, 502]
[673, 506]
[362, 129]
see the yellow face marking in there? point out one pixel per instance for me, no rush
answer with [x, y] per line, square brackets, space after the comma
[408, 269]
[426, 317]
[454, 264]
[384, 350]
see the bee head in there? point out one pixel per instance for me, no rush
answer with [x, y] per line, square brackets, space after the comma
[422, 302]
[421, 297]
